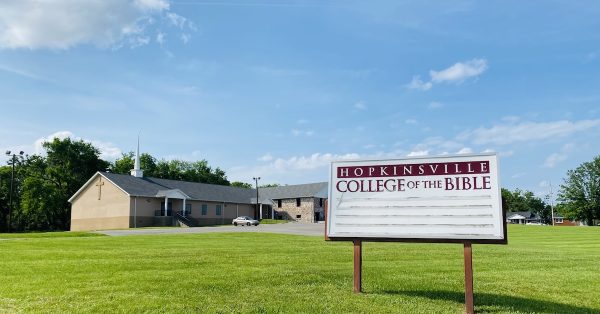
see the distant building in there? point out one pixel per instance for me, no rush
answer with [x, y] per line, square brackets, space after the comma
[304, 202]
[562, 221]
[523, 218]
[117, 201]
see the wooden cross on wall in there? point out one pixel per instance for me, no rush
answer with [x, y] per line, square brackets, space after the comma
[99, 185]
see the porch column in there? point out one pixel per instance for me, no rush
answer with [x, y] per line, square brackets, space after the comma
[260, 211]
[166, 205]
[183, 209]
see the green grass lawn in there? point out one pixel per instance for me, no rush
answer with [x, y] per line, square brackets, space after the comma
[543, 269]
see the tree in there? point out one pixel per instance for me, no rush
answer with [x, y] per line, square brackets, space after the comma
[241, 184]
[48, 182]
[125, 164]
[580, 192]
[521, 201]
[270, 185]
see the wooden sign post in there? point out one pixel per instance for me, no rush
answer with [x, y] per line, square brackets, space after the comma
[469, 303]
[444, 199]
[357, 266]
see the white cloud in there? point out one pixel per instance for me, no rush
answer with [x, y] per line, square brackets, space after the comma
[457, 73]
[418, 153]
[297, 132]
[417, 83]
[508, 133]
[152, 4]
[295, 168]
[465, 150]
[556, 158]
[185, 38]
[435, 105]
[460, 71]
[160, 38]
[61, 24]
[108, 150]
[20, 72]
[360, 105]
[266, 157]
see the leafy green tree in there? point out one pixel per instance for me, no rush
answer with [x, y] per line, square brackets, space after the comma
[5, 182]
[269, 185]
[580, 191]
[126, 163]
[194, 171]
[48, 182]
[241, 184]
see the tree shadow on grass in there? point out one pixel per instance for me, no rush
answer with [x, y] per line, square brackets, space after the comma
[494, 303]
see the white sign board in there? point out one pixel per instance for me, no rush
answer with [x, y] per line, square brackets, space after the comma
[437, 199]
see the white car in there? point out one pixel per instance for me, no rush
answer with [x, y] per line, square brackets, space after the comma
[245, 221]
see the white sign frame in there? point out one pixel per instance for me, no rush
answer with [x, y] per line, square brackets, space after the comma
[358, 210]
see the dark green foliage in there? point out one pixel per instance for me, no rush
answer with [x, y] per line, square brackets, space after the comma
[269, 185]
[125, 164]
[241, 184]
[194, 171]
[580, 192]
[46, 183]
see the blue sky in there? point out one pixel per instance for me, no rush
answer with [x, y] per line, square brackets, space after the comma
[278, 89]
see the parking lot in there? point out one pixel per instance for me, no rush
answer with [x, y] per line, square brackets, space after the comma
[314, 229]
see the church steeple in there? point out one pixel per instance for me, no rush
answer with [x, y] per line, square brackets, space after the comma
[137, 171]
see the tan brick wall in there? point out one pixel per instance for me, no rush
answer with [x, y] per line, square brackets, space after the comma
[290, 211]
[146, 208]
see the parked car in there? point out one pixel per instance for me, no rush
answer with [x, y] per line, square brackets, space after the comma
[245, 221]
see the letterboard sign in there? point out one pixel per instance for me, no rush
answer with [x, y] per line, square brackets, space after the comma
[429, 199]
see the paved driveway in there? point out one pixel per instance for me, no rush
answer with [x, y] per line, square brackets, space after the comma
[316, 229]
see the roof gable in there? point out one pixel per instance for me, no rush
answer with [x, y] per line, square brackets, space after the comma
[92, 179]
[318, 189]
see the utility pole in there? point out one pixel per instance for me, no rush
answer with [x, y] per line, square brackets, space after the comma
[12, 183]
[552, 202]
[256, 183]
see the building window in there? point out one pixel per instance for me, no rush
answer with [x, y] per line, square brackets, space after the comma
[218, 210]
[298, 216]
[298, 202]
[320, 202]
[558, 220]
[204, 209]
[278, 203]
[188, 209]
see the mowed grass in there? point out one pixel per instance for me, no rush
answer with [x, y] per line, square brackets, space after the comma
[543, 269]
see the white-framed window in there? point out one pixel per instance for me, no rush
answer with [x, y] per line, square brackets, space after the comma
[558, 220]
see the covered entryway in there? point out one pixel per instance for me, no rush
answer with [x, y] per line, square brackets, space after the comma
[165, 215]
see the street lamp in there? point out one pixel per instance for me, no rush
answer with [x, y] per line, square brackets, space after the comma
[256, 182]
[12, 183]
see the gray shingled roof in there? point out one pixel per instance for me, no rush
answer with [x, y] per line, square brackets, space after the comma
[210, 192]
[198, 191]
[293, 191]
[527, 215]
